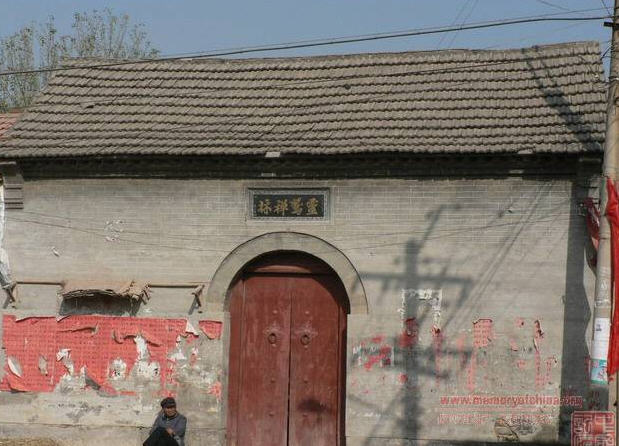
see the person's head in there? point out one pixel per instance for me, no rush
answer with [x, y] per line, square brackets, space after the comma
[168, 405]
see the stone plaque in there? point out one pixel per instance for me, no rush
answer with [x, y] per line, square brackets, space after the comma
[289, 204]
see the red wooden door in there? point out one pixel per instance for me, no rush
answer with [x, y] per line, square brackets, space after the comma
[288, 328]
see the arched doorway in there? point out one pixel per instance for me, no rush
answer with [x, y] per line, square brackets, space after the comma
[287, 353]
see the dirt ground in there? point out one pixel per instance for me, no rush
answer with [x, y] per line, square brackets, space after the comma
[28, 442]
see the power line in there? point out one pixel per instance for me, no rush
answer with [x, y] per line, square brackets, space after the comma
[575, 11]
[462, 8]
[547, 3]
[606, 7]
[194, 95]
[448, 232]
[453, 38]
[208, 237]
[318, 43]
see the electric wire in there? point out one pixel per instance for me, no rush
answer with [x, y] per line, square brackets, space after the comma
[552, 5]
[606, 7]
[447, 233]
[455, 20]
[464, 23]
[318, 43]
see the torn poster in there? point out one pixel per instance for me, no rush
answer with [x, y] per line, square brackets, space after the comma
[212, 329]
[129, 289]
[41, 351]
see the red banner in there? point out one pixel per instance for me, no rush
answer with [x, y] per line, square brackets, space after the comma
[612, 213]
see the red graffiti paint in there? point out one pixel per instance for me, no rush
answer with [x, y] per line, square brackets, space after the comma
[483, 333]
[212, 329]
[371, 361]
[551, 361]
[383, 358]
[403, 378]
[216, 390]
[539, 376]
[92, 344]
[379, 339]
[410, 334]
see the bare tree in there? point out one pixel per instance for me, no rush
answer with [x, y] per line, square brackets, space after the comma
[100, 34]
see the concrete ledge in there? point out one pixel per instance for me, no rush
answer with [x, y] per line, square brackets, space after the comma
[103, 435]
[217, 293]
[373, 441]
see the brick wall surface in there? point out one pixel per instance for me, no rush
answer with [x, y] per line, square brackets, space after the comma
[508, 250]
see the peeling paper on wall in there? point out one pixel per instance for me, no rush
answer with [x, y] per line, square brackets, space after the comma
[62, 354]
[212, 329]
[178, 354]
[14, 366]
[92, 328]
[427, 296]
[43, 365]
[144, 367]
[118, 369]
[96, 352]
[189, 328]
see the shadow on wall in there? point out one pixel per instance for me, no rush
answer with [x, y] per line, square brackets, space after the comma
[461, 361]
[577, 311]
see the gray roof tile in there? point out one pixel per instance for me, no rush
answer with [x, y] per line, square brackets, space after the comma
[541, 99]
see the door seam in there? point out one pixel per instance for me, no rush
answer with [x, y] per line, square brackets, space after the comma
[289, 280]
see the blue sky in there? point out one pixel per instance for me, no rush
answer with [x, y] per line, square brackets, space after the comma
[181, 26]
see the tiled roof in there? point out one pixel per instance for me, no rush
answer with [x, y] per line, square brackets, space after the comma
[540, 99]
[6, 121]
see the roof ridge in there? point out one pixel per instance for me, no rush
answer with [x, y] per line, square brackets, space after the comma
[592, 45]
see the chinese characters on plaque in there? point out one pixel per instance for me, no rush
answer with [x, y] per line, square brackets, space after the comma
[291, 204]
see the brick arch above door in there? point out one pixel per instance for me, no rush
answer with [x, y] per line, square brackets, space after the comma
[217, 293]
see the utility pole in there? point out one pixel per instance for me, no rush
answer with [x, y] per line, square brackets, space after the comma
[602, 310]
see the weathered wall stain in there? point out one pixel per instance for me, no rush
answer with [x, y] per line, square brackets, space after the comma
[538, 336]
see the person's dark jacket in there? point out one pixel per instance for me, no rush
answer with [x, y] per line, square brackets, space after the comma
[178, 424]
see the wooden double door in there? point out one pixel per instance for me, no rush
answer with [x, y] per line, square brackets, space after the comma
[287, 354]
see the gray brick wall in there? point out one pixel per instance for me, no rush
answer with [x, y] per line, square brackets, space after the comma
[507, 249]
